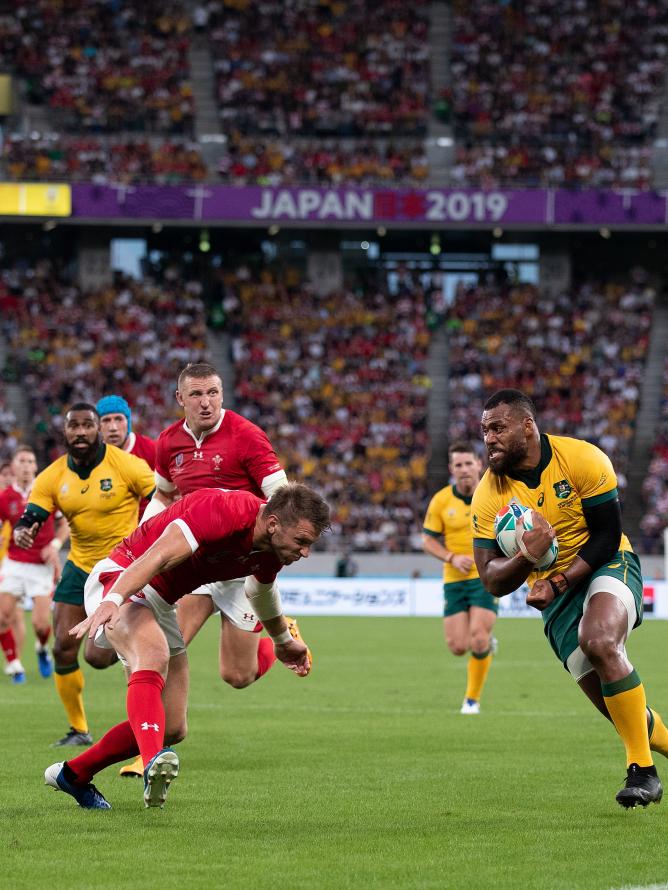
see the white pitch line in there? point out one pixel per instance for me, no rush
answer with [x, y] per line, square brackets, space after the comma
[642, 887]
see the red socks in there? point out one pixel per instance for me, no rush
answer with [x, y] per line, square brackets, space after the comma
[146, 712]
[118, 744]
[8, 644]
[143, 733]
[265, 656]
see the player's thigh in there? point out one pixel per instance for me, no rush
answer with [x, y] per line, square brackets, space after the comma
[456, 632]
[139, 639]
[237, 647]
[175, 698]
[41, 612]
[8, 609]
[192, 611]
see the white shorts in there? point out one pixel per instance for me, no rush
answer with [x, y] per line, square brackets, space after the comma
[577, 662]
[26, 579]
[230, 598]
[101, 580]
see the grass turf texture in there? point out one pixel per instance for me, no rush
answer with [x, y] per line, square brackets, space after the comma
[362, 775]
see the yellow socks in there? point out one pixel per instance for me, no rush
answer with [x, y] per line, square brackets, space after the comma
[69, 685]
[658, 733]
[627, 707]
[476, 673]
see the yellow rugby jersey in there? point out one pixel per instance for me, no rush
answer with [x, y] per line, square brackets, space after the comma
[571, 473]
[5, 535]
[449, 516]
[100, 502]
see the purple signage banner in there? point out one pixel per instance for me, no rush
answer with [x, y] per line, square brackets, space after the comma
[258, 205]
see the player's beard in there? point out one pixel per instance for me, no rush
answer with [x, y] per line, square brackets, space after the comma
[81, 456]
[513, 456]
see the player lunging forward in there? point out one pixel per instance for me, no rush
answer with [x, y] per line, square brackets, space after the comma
[206, 536]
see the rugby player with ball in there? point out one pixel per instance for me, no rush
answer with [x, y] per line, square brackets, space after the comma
[588, 587]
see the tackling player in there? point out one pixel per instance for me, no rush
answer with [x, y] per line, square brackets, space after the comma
[29, 573]
[97, 488]
[208, 535]
[469, 610]
[592, 598]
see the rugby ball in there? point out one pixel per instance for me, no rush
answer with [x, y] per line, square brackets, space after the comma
[506, 530]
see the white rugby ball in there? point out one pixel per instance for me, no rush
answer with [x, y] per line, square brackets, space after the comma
[506, 531]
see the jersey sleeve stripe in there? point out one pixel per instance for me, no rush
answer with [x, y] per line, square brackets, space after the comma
[187, 534]
[432, 533]
[485, 543]
[40, 512]
[163, 484]
[600, 498]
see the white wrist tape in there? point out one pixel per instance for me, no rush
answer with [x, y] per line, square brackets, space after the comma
[56, 544]
[115, 598]
[283, 638]
[264, 598]
[153, 507]
[525, 553]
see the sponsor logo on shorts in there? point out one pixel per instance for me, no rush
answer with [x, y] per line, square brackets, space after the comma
[562, 489]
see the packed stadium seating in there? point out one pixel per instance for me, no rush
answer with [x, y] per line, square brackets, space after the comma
[579, 355]
[655, 485]
[104, 67]
[554, 93]
[56, 157]
[331, 69]
[68, 345]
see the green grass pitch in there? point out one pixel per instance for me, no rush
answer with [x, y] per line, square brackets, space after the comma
[363, 775]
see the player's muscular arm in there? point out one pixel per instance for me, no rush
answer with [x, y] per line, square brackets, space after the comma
[498, 574]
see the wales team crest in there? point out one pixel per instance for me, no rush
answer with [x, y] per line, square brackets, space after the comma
[562, 489]
[105, 484]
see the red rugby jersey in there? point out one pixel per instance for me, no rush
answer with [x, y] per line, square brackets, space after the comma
[219, 527]
[142, 446]
[12, 504]
[236, 454]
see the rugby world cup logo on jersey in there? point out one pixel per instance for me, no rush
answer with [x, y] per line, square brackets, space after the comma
[178, 460]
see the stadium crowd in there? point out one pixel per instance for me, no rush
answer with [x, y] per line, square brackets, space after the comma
[579, 355]
[655, 486]
[328, 69]
[248, 161]
[56, 157]
[66, 344]
[340, 382]
[103, 67]
[552, 166]
[581, 83]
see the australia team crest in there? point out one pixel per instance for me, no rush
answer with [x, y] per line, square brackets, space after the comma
[562, 489]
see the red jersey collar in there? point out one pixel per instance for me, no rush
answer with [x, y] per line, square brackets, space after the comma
[206, 433]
